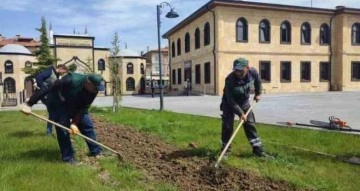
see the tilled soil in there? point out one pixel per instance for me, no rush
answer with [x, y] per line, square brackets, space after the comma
[164, 162]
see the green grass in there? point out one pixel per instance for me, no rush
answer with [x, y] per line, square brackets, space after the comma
[29, 160]
[303, 169]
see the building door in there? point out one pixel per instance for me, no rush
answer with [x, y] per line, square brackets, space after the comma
[142, 86]
[28, 87]
[187, 72]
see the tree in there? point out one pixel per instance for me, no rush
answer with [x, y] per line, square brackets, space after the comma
[44, 58]
[114, 64]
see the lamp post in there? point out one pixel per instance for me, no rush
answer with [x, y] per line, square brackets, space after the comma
[171, 14]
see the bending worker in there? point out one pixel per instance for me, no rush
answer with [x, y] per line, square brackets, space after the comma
[78, 91]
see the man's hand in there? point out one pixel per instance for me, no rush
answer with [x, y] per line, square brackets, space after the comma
[25, 108]
[243, 117]
[257, 98]
[74, 129]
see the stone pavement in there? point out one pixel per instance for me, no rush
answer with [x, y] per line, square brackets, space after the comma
[272, 109]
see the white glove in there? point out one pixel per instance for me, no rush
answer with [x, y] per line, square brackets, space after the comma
[25, 108]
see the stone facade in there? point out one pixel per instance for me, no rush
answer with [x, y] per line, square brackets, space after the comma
[308, 61]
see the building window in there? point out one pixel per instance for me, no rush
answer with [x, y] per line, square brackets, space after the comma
[264, 31]
[173, 77]
[173, 49]
[187, 42]
[9, 85]
[355, 71]
[207, 73]
[305, 72]
[9, 67]
[206, 34]
[305, 33]
[265, 71]
[179, 76]
[285, 33]
[142, 69]
[178, 47]
[324, 34]
[285, 72]
[324, 71]
[356, 33]
[197, 38]
[241, 30]
[101, 64]
[130, 68]
[197, 74]
[130, 84]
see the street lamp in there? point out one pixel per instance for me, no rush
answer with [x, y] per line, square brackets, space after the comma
[171, 14]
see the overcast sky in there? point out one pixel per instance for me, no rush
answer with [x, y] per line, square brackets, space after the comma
[134, 20]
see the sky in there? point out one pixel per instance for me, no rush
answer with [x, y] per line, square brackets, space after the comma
[133, 20]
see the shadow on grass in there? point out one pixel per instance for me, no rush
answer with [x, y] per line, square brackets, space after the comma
[24, 134]
[47, 155]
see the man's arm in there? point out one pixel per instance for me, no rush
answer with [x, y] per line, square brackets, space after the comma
[230, 100]
[257, 82]
[41, 77]
[58, 85]
[83, 106]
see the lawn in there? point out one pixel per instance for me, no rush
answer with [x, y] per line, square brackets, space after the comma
[30, 160]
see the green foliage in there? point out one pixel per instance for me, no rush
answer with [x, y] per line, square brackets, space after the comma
[115, 63]
[301, 168]
[44, 58]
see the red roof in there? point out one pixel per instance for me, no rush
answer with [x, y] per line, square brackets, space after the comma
[24, 41]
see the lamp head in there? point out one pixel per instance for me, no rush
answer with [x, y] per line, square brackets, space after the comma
[172, 14]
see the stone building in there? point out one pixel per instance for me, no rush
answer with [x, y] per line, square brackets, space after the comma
[295, 49]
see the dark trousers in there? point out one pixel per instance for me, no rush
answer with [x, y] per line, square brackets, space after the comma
[86, 128]
[249, 127]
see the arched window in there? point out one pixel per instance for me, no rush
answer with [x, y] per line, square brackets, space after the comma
[324, 34]
[305, 33]
[285, 32]
[355, 33]
[130, 84]
[206, 34]
[241, 30]
[173, 49]
[9, 85]
[9, 67]
[197, 38]
[130, 68]
[142, 69]
[178, 46]
[101, 64]
[264, 31]
[187, 42]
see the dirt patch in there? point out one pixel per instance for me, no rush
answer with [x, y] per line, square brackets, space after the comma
[184, 168]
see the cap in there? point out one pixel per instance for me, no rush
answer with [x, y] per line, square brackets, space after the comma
[96, 80]
[240, 64]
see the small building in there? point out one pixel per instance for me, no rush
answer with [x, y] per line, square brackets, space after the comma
[132, 72]
[14, 57]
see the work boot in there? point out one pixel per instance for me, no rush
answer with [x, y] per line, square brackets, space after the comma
[259, 152]
[71, 161]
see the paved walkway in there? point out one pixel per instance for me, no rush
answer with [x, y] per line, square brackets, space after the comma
[273, 108]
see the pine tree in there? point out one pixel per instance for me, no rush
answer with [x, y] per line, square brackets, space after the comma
[44, 58]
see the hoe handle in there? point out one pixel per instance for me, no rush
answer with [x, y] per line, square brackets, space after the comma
[233, 136]
[81, 135]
